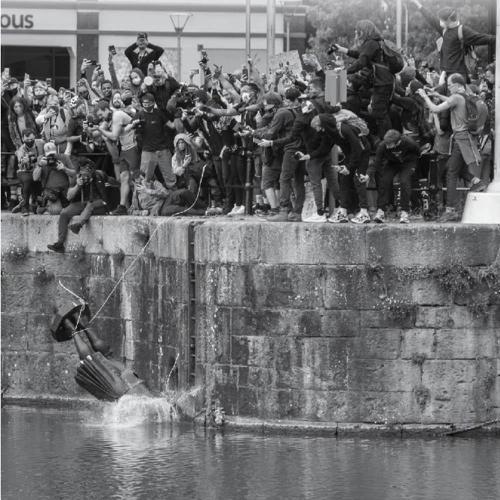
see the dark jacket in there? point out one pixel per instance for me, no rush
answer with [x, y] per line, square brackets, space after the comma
[369, 55]
[452, 49]
[153, 53]
[353, 148]
[406, 152]
[300, 134]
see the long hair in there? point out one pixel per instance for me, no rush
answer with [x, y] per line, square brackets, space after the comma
[366, 30]
[13, 102]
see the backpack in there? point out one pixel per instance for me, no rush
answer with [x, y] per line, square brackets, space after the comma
[473, 112]
[391, 57]
[352, 119]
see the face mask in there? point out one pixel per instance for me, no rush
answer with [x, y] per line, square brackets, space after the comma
[29, 144]
[136, 81]
[84, 95]
[245, 96]
[117, 104]
[148, 107]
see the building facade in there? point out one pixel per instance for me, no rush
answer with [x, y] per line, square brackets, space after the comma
[49, 38]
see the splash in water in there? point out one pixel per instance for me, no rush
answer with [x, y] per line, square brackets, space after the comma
[136, 410]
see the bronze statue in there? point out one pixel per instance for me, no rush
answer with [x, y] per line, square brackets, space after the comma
[105, 378]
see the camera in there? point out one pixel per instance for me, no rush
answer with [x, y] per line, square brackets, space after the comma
[51, 161]
[332, 48]
[29, 160]
[86, 175]
[139, 123]
[204, 57]
[93, 62]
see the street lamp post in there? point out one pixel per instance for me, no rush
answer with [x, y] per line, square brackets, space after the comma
[179, 21]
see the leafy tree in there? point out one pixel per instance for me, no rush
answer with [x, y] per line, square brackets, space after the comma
[334, 21]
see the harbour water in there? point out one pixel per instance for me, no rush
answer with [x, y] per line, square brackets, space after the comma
[70, 454]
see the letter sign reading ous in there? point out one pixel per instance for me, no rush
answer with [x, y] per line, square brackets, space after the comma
[17, 21]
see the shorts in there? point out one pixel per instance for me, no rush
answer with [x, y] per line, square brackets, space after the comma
[271, 173]
[129, 160]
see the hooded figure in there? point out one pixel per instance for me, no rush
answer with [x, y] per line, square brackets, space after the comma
[185, 163]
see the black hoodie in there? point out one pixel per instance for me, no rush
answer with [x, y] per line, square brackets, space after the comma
[370, 56]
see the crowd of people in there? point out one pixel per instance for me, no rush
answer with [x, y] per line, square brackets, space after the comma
[247, 143]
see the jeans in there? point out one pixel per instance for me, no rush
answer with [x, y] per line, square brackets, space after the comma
[385, 180]
[317, 168]
[162, 158]
[82, 208]
[292, 178]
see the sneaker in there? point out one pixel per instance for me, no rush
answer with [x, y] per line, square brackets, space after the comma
[237, 210]
[449, 215]
[403, 218]
[280, 216]
[75, 227]
[18, 208]
[56, 247]
[119, 210]
[338, 217]
[213, 211]
[478, 187]
[361, 218]
[379, 216]
[316, 218]
[294, 217]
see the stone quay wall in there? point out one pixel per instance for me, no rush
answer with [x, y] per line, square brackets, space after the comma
[380, 324]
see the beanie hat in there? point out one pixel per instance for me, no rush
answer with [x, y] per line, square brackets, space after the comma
[148, 96]
[415, 85]
[447, 14]
[49, 149]
[273, 98]
[292, 93]
[406, 75]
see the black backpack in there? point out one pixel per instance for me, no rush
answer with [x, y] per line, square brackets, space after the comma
[391, 57]
[472, 112]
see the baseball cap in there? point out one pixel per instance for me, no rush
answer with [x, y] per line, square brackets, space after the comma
[143, 35]
[49, 149]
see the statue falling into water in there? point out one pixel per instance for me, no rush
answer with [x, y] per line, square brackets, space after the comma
[105, 378]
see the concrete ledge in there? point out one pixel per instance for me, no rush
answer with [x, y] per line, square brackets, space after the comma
[295, 427]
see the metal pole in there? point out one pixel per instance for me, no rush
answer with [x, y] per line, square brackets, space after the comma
[399, 12]
[271, 22]
[179, 32]
[248, 28]
[406, 27]
[494, 187]
[288, 34]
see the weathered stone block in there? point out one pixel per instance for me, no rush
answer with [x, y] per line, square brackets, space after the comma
[227, 242]
[14, 332]
[340, 323]
[312, 244]
[347, 287]
[428, 292]
[418, 344]
[382, 318]
[382, 375]
[421, 244]
[465, 344]
[376, 343]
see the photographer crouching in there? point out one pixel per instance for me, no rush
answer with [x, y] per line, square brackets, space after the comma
[55, 172]
[86, 198]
